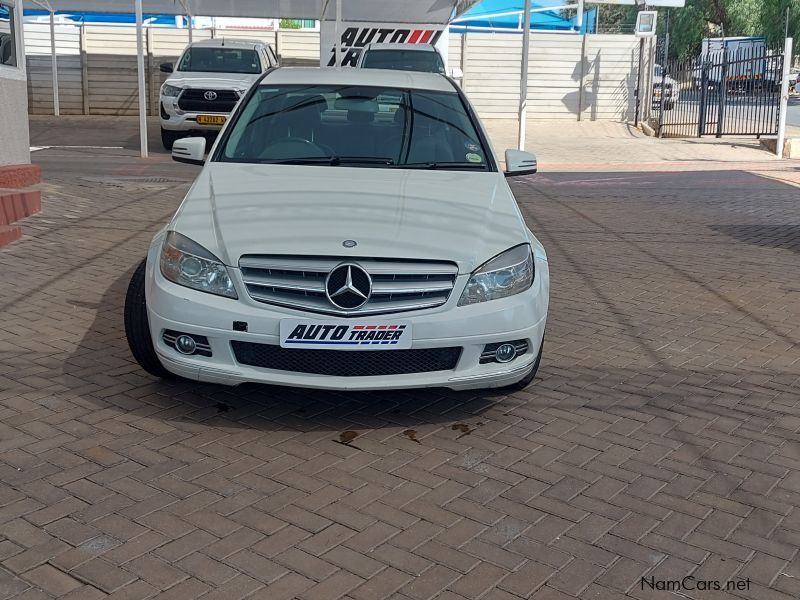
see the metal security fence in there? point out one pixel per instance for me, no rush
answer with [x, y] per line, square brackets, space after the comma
[721, 93]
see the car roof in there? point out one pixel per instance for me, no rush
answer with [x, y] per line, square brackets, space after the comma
[227, 43]
[398, 46]
[366, 77]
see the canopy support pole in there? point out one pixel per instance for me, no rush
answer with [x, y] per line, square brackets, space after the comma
[54, 66]
[337, 33]
[787, 62]
[140, 73]
[523, 76]
[189, 18]
[579, 18]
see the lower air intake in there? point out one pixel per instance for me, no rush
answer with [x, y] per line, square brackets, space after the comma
[346, 364]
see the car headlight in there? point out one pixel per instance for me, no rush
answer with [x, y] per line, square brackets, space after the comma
[506, 274]
[187, 263]
[170, 91]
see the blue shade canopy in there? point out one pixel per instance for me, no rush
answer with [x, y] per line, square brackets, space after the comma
[506, 14]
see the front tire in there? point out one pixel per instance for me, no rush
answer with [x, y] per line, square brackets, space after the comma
[137, 327]
[528, 379]
[168, 138]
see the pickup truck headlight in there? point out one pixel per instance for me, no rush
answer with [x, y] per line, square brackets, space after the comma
[506, 274]
[170, 91]
[187, 263]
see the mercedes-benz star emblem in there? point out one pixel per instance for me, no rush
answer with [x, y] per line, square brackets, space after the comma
[348, 286]
[349, 243]
[210, 95]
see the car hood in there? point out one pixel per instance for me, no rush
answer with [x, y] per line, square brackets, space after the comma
[460, 216]
[223, 81]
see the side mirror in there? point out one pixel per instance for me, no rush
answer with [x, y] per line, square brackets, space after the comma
[166, 68]
[456, 73]
[519, 162]
[190, 150]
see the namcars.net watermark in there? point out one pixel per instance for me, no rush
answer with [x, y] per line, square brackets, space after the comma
[691, 583]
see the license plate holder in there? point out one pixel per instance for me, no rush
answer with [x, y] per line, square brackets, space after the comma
[334, 334]
[211, 119]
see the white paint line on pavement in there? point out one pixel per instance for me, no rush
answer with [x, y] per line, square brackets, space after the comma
[37, 148]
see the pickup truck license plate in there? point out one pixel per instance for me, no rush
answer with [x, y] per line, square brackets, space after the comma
[211, 119]
[345, 335]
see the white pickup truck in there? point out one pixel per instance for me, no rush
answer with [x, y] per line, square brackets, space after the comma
[210, 77]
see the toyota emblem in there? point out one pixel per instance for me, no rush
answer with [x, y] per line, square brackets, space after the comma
[210, 95]
[348, 286]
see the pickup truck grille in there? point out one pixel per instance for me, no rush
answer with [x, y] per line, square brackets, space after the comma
[398, 285]
[194, 100]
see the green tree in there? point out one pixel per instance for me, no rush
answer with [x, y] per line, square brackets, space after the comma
[773, 22]
[616, 18]
[704, 18]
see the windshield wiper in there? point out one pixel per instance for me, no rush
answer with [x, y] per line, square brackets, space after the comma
[331, 160]
[443, 165]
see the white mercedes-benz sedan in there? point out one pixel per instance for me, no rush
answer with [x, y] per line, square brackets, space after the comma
[350, 229]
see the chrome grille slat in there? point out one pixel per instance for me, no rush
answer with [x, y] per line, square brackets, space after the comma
[299, 282]
[325, 264]
[401, 287]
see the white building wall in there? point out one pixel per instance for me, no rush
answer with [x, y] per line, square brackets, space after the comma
[14, 137]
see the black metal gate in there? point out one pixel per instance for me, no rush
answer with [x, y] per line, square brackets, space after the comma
[724, 92]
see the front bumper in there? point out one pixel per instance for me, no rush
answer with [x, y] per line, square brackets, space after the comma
[173, 307]
[175, 119]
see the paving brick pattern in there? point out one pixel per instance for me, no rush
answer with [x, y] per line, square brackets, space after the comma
[661, 438]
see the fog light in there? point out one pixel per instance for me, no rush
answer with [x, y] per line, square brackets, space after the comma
[505, 353]
[185, 344]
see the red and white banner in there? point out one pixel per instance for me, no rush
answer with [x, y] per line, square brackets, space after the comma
[354, 36]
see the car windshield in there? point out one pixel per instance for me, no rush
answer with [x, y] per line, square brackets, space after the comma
[355, 126]
[404, 60]
[219, 60]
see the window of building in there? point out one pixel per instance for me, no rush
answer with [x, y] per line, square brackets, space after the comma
[8, 45]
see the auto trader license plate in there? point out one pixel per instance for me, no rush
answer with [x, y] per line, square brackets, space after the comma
[345, 335]
[211, 119]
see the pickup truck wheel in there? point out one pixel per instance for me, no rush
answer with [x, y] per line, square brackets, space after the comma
[528, 379]
[137, 327]
[169, 137]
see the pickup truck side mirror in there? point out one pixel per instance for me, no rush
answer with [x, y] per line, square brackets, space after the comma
[166, 68]
[190, 150]
[519, 162]
[456, 73]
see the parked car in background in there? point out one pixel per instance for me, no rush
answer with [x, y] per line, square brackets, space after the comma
[7, 50]
[670, 91]
[405, 57]
[206, 84]
[351, 229]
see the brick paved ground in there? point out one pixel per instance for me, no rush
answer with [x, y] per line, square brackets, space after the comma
[660, 439]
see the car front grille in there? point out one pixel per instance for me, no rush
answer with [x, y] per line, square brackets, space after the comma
[341, 363]
[193, 100]
[299, 282]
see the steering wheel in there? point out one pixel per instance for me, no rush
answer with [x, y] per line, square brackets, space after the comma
[295, 147]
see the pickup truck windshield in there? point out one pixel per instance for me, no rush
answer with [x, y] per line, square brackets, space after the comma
[355, 126]
[404, 60]
[219, 60]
